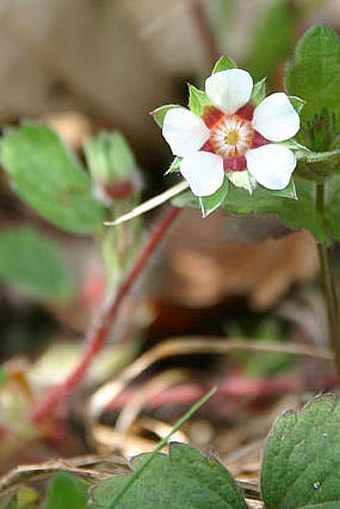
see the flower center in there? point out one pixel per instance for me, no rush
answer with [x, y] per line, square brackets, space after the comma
[231, 136]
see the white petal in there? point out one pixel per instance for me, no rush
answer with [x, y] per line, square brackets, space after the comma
[184, 131]
[229, 90]
[204, 172]
[271, 165]
[275, 118]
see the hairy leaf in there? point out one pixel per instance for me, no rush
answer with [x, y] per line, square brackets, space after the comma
[185, 479]
[301, 463]
[50, 179]
[315, 77]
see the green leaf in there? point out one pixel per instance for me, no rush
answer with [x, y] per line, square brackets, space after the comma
[325, 505]
[159, 113]
[33, 262]
[223, 64]
[259, 92]
[65, 491]
[301, 463]
[273, 40]
[49, 178]
[317, 166]
[299, 213]
[198, 100]
[209, 204]
[315, 77]
[185, 479]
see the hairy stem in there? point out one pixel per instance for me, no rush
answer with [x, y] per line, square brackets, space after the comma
[329, 289]
[99, 333]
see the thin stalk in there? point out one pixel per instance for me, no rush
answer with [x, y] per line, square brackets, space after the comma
[329, 289]
[98, 335]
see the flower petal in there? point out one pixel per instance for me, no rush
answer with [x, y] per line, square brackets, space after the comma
[275, 118]
[184, 131]
[271, 165]
[229, 90]
[204, 172]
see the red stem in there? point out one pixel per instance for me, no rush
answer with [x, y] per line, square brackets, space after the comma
[98, 335]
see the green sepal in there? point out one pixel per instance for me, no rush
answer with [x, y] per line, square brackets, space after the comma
[287, 192]
[109, 158]
[159, 113]
[223, 64]
[208, 204]
[242, 179]
[294, 145]
[174, 166]
[259, 92]
[296, 102]
[198, 100]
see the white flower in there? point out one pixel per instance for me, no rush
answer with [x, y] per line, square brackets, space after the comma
[233, 136]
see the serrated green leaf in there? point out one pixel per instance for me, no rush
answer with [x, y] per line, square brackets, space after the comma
[49, 178]
[315, 77]
[223, 64]
[299, 213]
[198, 100]
[258, 92]
[208, 204]
[185, 479]
[301, 462]
[273, 41]
[65, 491]
[33, 262]
[159, 113]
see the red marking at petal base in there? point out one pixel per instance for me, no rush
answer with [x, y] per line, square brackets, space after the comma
[207, 147]
[246, 112]
[234, 164]
[258, 140]
[211, 116]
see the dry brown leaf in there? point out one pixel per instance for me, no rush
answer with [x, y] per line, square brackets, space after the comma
[198, 268]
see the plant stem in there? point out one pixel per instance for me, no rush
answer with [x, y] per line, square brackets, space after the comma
[329, 289]
[102, 327]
